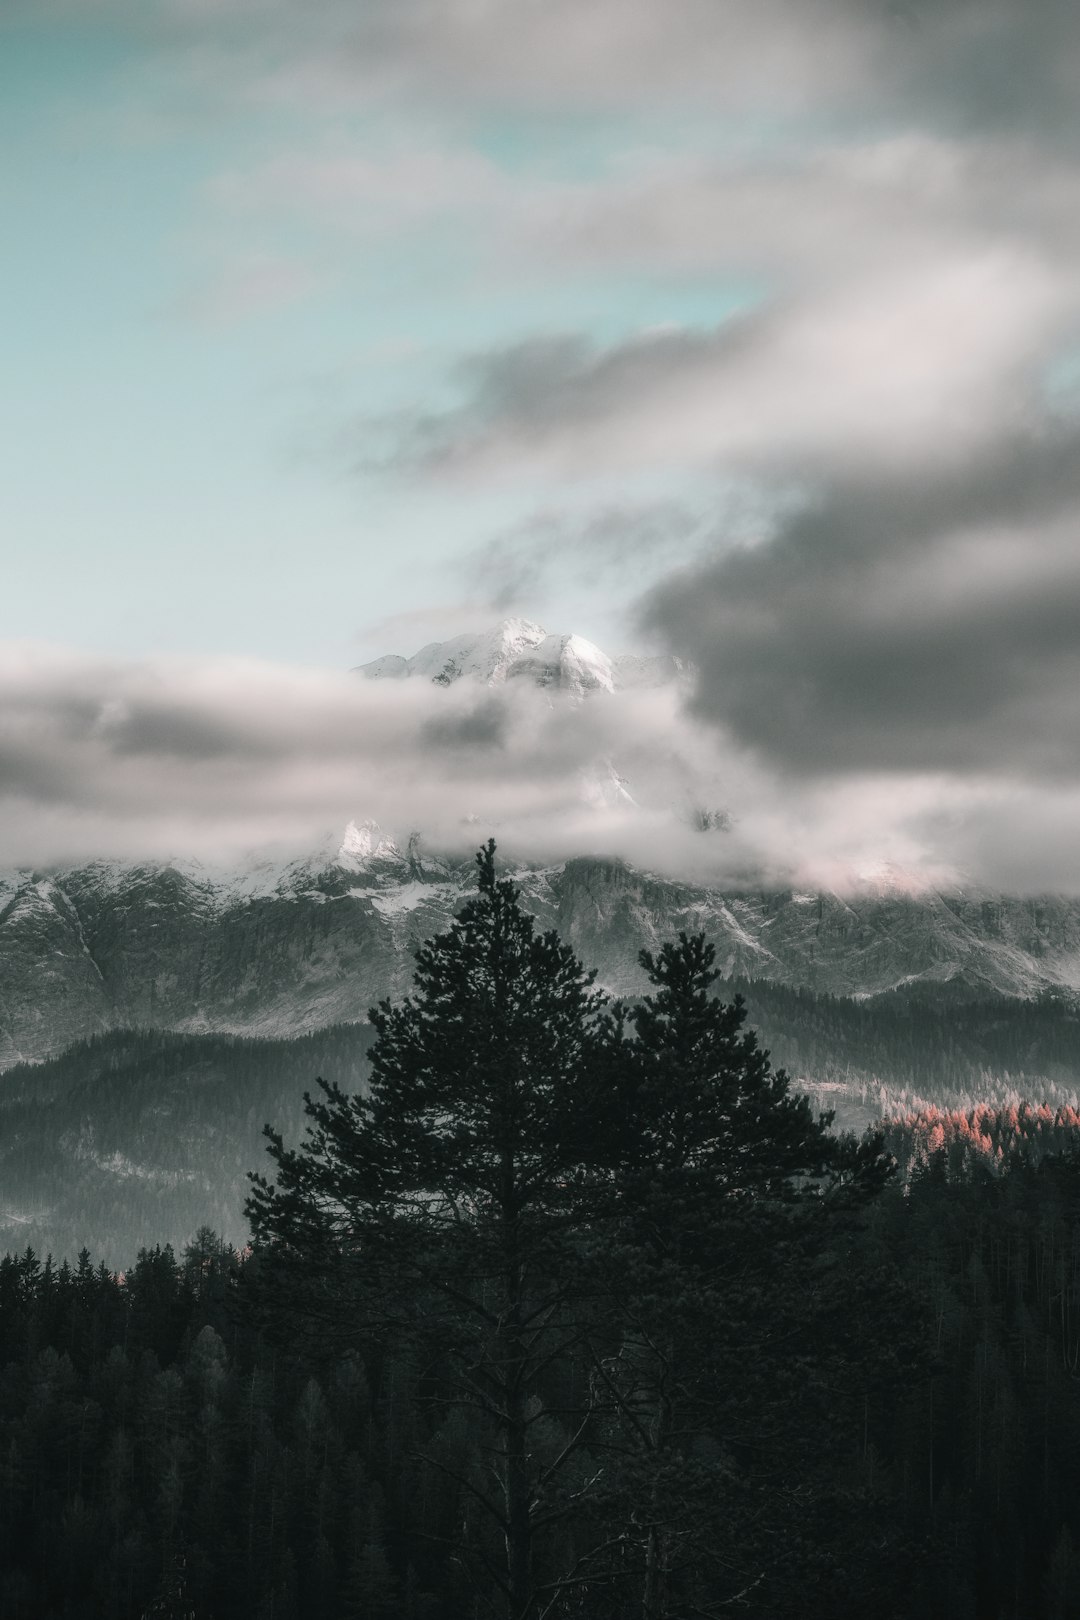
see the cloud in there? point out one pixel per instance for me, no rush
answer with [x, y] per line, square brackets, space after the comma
[801, 209]
[900, 626]
[887, 192]
[587, 53]
[991, 63]
[901, 298]
[366, 192]
[250, 285]
[914, 365]
[172, 759]
[646, 539]
[214, 758]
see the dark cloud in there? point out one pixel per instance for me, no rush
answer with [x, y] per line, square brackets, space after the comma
[899, 626]
[991, 63]
[524, 393]
[544, 393]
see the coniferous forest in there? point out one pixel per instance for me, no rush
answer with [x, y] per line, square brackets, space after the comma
[576, 1309]
[141, 1136]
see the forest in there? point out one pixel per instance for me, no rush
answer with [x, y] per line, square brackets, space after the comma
[575, 1309]
[141, 1136]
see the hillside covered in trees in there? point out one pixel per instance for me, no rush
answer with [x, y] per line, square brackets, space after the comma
[140, 1136]
[571, 1308]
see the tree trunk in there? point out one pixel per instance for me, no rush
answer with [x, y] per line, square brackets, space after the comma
[519, 1562]
[654, 1593]
[513, 1356]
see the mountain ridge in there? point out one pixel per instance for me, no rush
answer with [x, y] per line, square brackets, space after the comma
[283, 950]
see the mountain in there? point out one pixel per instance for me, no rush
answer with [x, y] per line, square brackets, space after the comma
[281, 950]
[517, 649]
[278, 949]
[141, 1137]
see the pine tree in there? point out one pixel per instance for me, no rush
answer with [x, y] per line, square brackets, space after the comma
[454, 1189]
[172, 1601]
[705, 1112]
[716, 1157]
[370, 1591]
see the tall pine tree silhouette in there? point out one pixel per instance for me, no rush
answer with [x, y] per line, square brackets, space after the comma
[453, 1190]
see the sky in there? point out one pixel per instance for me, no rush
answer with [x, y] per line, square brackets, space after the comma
[747, 330]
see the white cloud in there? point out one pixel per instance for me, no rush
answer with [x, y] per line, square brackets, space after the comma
[925, 361]
[215, 758]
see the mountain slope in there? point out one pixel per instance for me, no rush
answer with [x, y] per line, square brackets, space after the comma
[279, 951]
[140, 1137]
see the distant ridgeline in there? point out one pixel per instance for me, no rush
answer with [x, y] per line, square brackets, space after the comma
[140, 1137]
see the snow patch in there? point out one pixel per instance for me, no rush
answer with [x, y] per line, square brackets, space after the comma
[393, 902]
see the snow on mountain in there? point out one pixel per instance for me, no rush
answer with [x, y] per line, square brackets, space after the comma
[518, 649]
[280, 949]
[567, 664]
[487, 656]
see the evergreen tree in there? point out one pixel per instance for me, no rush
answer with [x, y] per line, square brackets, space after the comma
[172, 1601]
[718, 1164]
[455, 1188]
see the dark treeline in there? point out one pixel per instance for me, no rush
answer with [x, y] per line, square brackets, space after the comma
[152, 1437]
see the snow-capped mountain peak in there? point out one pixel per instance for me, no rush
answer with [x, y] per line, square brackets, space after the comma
[361, 842]
[520, 649]
[485, 656]
[567, 663]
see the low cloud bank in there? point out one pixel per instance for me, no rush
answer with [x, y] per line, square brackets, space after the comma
[216, 759]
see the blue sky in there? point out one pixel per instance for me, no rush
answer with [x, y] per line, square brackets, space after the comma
[191, 351]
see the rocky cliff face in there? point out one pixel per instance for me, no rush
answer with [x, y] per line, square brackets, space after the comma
[865, 943]
[278, 951]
